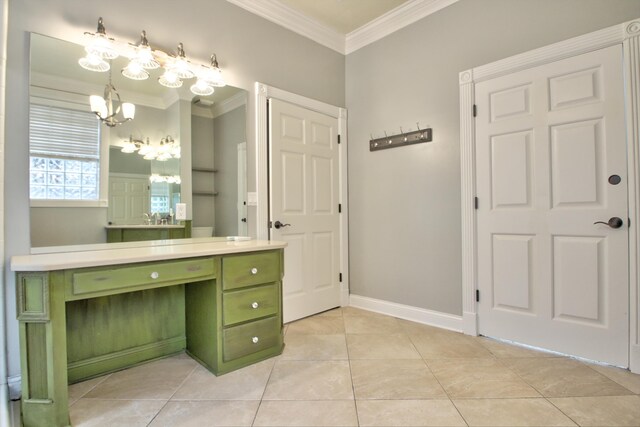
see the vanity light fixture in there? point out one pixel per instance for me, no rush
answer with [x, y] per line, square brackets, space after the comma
[171, 179]
[132, 145]
[105, 109]
[168, 148]
[100, 48]
[208, 78]
[100, 44]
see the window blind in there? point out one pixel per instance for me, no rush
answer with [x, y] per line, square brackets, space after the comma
[63, 132]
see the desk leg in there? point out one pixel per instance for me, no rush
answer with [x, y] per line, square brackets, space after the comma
[43, 349]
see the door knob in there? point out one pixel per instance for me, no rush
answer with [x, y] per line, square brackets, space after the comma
[614, 222]
[279, 225]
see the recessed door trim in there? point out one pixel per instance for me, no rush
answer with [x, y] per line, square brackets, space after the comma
[626, 34]
[263, 93]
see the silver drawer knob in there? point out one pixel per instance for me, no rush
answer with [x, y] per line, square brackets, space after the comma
[255, 340]
[254, 305]
[155, 275]
[254, 270]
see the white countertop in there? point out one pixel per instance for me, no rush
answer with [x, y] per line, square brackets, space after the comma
[144, 226]
[79, 256]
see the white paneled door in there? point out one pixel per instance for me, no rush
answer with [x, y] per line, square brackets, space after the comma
[304, 179]
[128, 199]
[551, 162]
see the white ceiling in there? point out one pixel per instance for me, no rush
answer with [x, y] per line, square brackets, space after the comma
[343, 16]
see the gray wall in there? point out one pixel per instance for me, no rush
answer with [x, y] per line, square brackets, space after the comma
[51, 226]
[228, 131]
[202, 157]
[404, 224]
[249, 49]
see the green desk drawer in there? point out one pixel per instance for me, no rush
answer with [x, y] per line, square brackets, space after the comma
[248, 270]
[248, 304]
[108, 280]
[250, 338]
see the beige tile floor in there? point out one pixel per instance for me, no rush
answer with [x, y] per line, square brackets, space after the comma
[349, 367]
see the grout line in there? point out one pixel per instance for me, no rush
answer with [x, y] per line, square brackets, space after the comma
[561, 411]
[266, 384]
[353, 387]
[175, 391]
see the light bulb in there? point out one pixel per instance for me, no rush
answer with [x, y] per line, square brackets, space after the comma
[201, 87]
[135, 71]
[93, 62]
[170, 79]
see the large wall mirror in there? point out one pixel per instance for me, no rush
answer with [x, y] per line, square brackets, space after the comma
[77, 190]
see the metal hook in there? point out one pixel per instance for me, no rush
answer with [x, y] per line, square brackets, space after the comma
[405, 139]
[421, 133]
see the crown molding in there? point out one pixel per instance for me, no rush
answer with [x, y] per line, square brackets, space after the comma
[392, 21]
[229, 104]
[295, 21]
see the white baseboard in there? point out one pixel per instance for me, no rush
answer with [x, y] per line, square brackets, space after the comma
[634, 358]
[407, 312]
[470, 323]
[15, 387]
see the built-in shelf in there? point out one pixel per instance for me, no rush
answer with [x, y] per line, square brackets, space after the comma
[205, 193]
[211, 170]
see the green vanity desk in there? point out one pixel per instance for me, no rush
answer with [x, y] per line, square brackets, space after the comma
[133, 233]
[92, 310]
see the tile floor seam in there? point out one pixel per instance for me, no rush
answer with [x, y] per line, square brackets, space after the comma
[173, 394]
[266, 384]
[524, 380]
[89, 391]
[353, 387]
[562, 412]
[606, 377]
[444, 389]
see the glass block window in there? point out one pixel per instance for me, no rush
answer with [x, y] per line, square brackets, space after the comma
[64, 146]
[160, 198]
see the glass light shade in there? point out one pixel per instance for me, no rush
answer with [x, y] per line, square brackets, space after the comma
[202, 87]
[170, 79]
[100, 45]
[93, 62]
[163, 157]
[215, 77]
[98, 105]
[129, 147]
[151, 155]
[135, 71]
[181, 68]
[128, 110]
[145, 58]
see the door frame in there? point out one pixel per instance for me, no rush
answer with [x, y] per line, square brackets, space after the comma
[263, 93]
[627, 35]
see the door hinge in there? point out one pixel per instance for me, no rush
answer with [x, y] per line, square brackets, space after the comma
[629, 222]
[339, 207]
[476, 203]
[340, 277]
[338, 138]
[270, 224]
[477, 295]
[475, 110]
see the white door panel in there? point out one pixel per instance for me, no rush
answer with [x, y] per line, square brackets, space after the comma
[548, 138]
[128, 199]
[304, 193]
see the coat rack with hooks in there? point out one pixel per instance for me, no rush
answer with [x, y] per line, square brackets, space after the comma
[401, 139]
